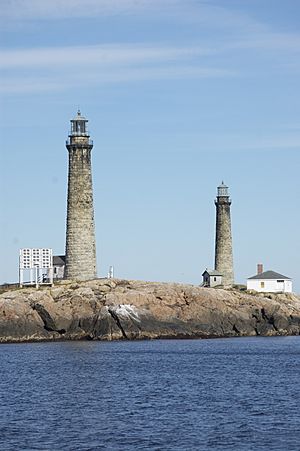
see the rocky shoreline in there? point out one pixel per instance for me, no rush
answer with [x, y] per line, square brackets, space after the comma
[111, 309]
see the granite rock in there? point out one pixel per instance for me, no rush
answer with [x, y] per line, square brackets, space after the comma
[104, 309]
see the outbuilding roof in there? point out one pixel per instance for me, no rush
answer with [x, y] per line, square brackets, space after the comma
[212, 272]
[269, 275]
[59, 260]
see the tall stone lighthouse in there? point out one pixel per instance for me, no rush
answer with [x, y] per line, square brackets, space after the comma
[80, 237]
[223, 250]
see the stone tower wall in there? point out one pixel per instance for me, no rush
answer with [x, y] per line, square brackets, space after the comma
[80, 238]
[223, 250]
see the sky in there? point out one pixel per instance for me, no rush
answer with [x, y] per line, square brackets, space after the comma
[180, 95]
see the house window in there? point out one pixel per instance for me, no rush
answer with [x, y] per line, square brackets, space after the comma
[215, 279]
[280, 281]
[262, 284]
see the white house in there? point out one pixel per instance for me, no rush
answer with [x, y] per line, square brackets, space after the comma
[59, 262]
[269, 282]
[211, 278]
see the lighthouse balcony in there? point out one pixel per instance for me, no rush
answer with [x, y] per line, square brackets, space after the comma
[79, 142]
[78, 133]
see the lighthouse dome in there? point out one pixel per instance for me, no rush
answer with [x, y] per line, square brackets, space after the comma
[79, 117]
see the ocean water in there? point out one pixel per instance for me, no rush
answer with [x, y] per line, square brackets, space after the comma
[222, 394]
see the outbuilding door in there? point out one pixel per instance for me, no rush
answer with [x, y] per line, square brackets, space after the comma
[280, 285]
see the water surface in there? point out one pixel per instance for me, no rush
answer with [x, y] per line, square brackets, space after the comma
[223, 394]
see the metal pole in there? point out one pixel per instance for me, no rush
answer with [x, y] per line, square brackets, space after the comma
[36, 277]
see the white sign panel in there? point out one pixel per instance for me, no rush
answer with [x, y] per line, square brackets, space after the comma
[35, 258]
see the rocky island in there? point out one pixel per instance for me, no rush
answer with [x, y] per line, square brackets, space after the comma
[111, 309]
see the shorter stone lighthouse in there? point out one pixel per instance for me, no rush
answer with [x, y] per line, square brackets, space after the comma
[80, 235]
[223, 249]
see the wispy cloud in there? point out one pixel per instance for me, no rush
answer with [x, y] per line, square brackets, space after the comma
[200, 11]
[270, 41]
[97, 55]
[203, 12]
[34, 70]
[242, 30]
[30, 85]
[62, 67]
[65, 81]
[54, 9]
[244, 141]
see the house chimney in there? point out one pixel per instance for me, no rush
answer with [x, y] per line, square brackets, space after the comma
[260, 268]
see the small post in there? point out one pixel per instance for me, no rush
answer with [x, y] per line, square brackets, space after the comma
[20, 277]
[36, 276]
[51, 276]
[110, 272]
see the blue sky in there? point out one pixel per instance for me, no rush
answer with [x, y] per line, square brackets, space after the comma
[180, 95]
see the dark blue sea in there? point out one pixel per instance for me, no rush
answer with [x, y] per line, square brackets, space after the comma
[222, 394]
